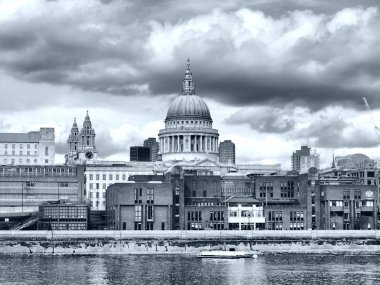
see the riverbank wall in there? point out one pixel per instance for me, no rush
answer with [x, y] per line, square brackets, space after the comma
[187, 242]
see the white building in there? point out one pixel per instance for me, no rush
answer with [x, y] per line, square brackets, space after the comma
[100, 176]
[188, 133]
[245, 213]
[32, 148]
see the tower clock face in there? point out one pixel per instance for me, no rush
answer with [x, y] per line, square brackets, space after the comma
[89, 154]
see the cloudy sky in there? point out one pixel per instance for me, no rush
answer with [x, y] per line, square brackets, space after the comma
[275, 74]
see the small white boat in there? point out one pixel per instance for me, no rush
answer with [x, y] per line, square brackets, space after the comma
[226, 254]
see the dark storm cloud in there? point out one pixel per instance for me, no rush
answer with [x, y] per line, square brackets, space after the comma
[263, 120]
[335, 132]
[132, 48]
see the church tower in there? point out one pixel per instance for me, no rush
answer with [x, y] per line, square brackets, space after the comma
[82, 149]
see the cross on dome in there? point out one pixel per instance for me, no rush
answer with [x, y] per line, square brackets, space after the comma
[188, 83]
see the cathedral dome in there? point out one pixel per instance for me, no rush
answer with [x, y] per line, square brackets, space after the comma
[188, 106]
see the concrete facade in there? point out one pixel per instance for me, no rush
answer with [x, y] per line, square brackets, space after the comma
[24, 188]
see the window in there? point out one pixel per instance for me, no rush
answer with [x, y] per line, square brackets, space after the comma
[346, 194]
[30, 184]
[91, 186]
[63, 184]
[35, 146]
[97, 176]
[6, 146]
[124, 177]
[97, 194]
[13, 146]
[336, 203]
[110, 177]
[104, 194]
[150, 195]
[104, 186]
[46, 160]
[46, 151]
[35, 160]
[28, 146]
[138, 212]
[150, 213]
[20, 152]
[117, 176]
[138, 195]
[91, 177]
[104, 176]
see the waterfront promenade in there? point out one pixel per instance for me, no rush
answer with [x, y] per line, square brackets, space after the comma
[187, 242]
[191, 235]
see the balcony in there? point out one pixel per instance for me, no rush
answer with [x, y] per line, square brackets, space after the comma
[336, 208]
[367, 209]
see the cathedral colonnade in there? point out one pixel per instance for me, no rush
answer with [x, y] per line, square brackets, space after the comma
[189, 143]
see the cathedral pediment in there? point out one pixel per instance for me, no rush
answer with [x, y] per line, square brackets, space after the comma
[207, 162]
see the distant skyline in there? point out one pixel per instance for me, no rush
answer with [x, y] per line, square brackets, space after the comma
[275, 75]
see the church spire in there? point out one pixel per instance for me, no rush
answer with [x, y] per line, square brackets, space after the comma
[87, 122]
[188, 84]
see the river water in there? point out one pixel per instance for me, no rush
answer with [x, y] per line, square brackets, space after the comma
[137, 269]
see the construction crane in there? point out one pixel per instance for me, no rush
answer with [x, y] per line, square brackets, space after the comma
[377, 166]
[370, 113]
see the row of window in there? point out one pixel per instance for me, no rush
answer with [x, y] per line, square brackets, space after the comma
[32, 184]
[20, 161]
[296, 215]
[97, 203]
[110, 177]
[20, 152]
[357, 204]
[21, 146]
[174, 124]
[357, 194]
[149, 195]
[97, 195]
[245, 213]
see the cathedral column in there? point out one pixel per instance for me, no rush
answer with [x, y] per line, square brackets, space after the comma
[201, 144]
[178, 150]
[195, 143]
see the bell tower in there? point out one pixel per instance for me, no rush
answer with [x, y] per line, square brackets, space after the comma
[82, 149]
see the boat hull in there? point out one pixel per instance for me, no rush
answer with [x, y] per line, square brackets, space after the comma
[225, 254]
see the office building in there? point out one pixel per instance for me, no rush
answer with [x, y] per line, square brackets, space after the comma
[303, 159]
[154, 146]
[139, 153]
[227, 152]
[63, 215]
[32, 148]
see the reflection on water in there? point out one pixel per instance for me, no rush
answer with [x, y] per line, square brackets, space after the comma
[267, 269]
